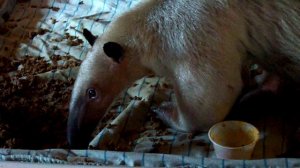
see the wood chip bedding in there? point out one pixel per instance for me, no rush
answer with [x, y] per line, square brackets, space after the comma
[41, 48]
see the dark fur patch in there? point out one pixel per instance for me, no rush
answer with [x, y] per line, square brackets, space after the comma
[89, 36]
[113, 50]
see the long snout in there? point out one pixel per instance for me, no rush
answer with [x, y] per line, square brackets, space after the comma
[82, 121]
[78, 134]
[73, 129]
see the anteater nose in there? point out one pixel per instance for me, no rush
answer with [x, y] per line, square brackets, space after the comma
[77, 138]
[79, 133]
[72, 132]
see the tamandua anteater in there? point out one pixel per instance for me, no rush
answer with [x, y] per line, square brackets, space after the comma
[201, 46]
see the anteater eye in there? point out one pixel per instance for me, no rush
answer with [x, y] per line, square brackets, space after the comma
[92, 93]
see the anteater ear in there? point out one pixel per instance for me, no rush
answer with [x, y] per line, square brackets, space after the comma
[113, 50]
[89, 36]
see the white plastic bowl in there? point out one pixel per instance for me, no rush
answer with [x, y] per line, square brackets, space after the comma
[233, 139]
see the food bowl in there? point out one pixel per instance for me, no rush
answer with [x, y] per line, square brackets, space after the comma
[233, 139]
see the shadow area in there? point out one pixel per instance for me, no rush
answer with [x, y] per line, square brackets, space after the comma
[277, 118]
[33, 104]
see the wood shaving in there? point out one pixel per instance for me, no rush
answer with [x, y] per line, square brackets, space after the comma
[33, 112]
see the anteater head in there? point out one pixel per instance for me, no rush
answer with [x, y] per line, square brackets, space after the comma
[112, 64]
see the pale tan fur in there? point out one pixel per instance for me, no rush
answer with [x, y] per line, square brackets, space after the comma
[201, 46]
